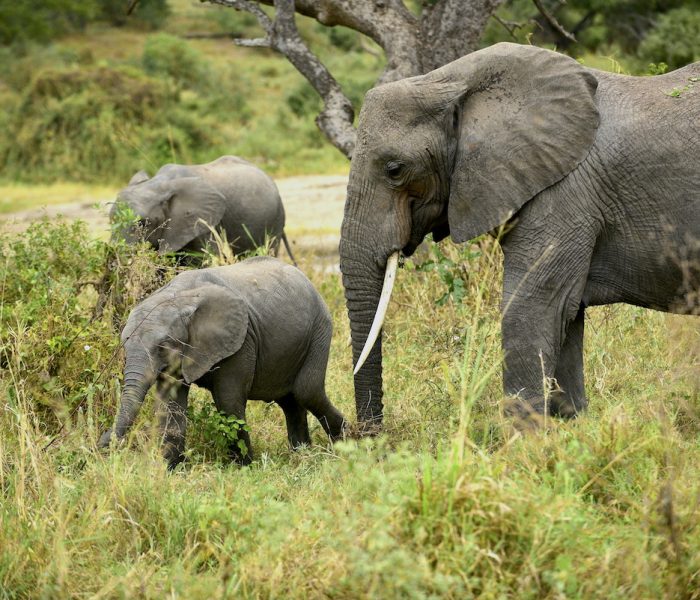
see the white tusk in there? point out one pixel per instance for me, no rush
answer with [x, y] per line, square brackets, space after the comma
[389, 276]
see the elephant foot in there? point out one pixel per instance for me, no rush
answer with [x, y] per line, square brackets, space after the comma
[174, 461]
[566, 407]
[368, 428]
[238, 456]
[526, 415]
[106, 438]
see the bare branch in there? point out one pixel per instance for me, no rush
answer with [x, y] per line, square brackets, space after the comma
[253, 43]
[387, 22]
[248, 6]
[336, 118]
[553, 23]
[446, 30]
[509, 26]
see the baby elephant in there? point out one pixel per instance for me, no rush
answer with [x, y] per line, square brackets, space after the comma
[257, 329]
[178, 205]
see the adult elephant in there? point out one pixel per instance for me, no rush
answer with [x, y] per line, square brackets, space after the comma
[180, 204]
[596, 175]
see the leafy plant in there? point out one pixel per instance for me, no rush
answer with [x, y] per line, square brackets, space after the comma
[216, 432]
[452, 273]
[675, 39]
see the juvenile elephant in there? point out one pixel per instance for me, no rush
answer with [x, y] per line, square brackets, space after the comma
[257, 329]
[179, 203]
[595, 175]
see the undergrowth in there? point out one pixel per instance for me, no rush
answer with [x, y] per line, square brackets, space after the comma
[449, 502]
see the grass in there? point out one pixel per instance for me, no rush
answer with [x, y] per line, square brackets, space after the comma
[16, 197]
[449, 502]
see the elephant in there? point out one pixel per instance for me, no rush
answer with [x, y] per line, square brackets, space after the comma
[589, 180]
[256, 329]
[178, 205]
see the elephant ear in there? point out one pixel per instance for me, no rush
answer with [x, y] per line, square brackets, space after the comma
[139, 177]
[217, 325]
[194, 206]
[528, 118]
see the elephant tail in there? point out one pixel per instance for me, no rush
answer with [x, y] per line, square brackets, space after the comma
[288, 248]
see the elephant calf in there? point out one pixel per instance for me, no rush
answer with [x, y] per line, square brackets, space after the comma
[257, 329]
[178, 205]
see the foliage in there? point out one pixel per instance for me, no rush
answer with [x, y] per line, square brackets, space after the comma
[45, 20]
[167, 56]
[63, 296]
[656, 29]
[675, 39]
[96, 124]
[148, 14]
[452, 273]
[215, 431]
[42, 20]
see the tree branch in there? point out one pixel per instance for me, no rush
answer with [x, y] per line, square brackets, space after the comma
[336, 118]
[553, 23]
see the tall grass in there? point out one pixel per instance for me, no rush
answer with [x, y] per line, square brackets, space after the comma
[450, 501]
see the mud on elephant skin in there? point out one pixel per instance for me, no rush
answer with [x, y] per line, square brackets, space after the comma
[596, 175]
[179, 205]
[254, 330]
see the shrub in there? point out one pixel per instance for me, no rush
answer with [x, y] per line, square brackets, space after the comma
[675, 39]
[170, 56]
[64, 297]
[42, 20]
[97, 124]
[147, 13]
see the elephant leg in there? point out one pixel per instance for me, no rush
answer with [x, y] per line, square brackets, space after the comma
[310, 390]
[329, 416]
[173, 418]
[530, 350]
[230, 384]
[544, 279]
[297, 424]
[569, 398]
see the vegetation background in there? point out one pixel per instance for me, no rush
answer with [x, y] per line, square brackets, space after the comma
[450, 501]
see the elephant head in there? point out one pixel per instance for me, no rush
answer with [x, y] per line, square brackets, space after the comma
[457, 152]
[180, 330]
[172, 211]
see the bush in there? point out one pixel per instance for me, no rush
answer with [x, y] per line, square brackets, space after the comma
[147, 13]
[42, 20]
[172, 57]
[98, 124]
[675, 39]
[64, 299]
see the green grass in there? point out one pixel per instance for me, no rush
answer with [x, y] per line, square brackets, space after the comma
[449, 502]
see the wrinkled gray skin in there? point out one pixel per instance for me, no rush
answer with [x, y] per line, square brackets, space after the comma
[257, 329]
[597, 176]
[228, 193]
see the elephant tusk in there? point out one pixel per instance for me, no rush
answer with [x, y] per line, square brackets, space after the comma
[389, 276]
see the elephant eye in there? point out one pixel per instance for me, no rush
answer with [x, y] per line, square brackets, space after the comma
[393, 169]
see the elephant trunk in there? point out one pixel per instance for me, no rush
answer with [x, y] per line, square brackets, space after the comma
[362, 280]
[137, 382]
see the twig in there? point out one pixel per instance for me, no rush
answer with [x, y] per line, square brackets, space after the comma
[553, 23]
